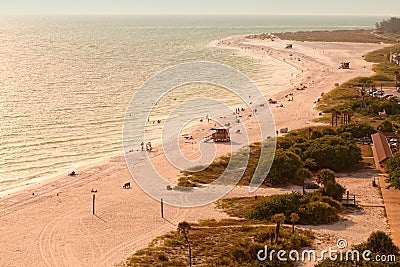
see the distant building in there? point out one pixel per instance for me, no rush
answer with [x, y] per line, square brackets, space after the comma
[381, 149]
[382, 115]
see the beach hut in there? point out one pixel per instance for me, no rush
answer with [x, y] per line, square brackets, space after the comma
[221, 135]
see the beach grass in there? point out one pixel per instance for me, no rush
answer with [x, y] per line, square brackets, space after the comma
[350, 91]
[219, 243]
[353, 36]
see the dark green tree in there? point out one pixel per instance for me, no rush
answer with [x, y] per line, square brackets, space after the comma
[386, 127]
[380, 242]
[393, 169]
[357, 130]
[333, 190]
[389, 25]
[284, 167]
[325, 176]
[302, 174]
[332, 152]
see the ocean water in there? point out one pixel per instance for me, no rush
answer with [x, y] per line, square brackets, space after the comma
[66, 81]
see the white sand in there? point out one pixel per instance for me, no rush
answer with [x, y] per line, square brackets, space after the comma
[47, 229]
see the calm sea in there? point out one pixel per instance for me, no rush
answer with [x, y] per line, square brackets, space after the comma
[65, 82]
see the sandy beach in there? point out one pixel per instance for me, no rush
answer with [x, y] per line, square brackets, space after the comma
[51, 224]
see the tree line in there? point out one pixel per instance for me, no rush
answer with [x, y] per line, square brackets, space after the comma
[389, 25]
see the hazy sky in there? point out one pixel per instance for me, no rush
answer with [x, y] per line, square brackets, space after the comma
[358, 7]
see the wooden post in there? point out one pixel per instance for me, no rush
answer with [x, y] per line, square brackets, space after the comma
[354, 200]
[94, 197]
[348, 196]
[162, 209]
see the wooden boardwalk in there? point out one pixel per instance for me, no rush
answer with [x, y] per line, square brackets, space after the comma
[391, 200]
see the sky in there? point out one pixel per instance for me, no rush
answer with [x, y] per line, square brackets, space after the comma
[317, 7]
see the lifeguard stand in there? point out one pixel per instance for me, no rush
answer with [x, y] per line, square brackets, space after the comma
[221, 135]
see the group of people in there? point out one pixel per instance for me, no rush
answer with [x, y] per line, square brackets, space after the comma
[237, 110]
[149, 148]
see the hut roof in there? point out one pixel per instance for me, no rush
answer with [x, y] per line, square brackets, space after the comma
[382, 148]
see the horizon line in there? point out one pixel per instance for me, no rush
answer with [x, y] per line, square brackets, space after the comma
[194, 14]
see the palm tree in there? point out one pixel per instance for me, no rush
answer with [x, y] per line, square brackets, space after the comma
[346, 116]
[183, 229]
[333, 112]
[303, 174]
[294, 218]
[278, 219]
[335, 116]
[363, 92]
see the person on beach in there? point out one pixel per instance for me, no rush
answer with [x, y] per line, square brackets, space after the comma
[142, 145]
[148, 147]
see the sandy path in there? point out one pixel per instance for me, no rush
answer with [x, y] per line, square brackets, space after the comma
[355, 226]
[55, 225]
[391, 198]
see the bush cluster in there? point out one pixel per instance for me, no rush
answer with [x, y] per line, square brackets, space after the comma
[393, 170]
[312, 208]
[323, 149]
[378, 243]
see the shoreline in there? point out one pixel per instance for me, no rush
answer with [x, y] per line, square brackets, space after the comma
[237, 45]
[58, 216]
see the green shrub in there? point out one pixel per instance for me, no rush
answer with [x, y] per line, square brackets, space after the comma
[378, 243]
[162, 257]
[357, 130]
[174, 243]
[312, 208]
[240, 255]
[325, 176]
[266, 235]
[333, 190]
[318, 212]
[386, 126]
[393, 169]
[284, 167]
[332, 152]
